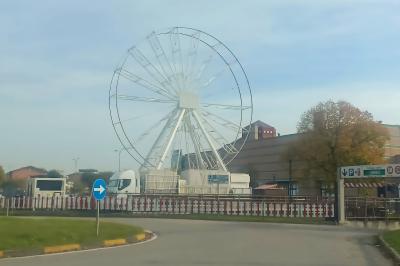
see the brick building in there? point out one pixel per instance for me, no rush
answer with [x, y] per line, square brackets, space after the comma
[24, 173]
[261, 157]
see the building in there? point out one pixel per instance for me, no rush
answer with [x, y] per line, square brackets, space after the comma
[260, 130]
[392, 148]
[24, 173]
[262, 158]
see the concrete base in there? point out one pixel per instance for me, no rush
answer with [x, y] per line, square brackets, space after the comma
[377, 225]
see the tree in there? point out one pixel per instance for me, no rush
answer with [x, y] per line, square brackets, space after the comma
[335, 134]
[79, 188]
[54, 174]
[89, 178]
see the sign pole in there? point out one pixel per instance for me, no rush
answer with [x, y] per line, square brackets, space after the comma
[341, 205]
[98, 218]
[8, 204]
[98, 192]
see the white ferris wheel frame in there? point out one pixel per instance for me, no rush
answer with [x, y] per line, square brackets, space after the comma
[187, 104]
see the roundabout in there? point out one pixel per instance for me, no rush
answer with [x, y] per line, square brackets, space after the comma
[191, 242]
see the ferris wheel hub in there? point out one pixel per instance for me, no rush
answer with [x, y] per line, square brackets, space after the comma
[188, 100]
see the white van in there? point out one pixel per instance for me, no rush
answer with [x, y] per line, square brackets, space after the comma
[123, 183]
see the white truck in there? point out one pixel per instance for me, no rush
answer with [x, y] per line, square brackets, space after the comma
[123, 183]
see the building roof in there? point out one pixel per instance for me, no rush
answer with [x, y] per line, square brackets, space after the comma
[28, 167]
[259, 123]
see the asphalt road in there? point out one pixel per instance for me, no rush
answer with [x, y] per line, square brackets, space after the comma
[189, 242]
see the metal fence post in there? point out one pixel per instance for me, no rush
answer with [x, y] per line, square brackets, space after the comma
[263, 207]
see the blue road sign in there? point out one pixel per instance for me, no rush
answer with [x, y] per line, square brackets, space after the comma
[99, 189]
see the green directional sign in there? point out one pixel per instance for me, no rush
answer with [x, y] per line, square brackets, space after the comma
[374, 172]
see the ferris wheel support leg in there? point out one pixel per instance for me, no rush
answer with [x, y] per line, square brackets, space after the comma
[210, 142]
[171, 138]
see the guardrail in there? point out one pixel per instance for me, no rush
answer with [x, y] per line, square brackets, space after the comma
[178, 204]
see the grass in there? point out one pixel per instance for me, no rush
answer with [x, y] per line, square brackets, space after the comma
[27, 234]
[393, 239]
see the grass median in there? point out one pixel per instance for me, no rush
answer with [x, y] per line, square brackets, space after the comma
[393, 239]
[25, 234]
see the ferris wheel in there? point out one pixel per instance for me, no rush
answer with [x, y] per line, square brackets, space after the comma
[180, 98]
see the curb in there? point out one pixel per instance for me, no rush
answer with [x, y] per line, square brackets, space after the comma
[393, 253]
[114, 242]
[61, 248]
[77, 247]
[140, 237]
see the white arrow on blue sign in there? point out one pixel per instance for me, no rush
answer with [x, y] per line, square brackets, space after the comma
[99, 189]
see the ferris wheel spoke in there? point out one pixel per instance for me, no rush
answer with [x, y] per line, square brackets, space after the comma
[226, 106]
[127, 120]
[219, 138]
[171, 138]
[203, 153]
[218, 74]
[152, 70]
[196, 144]
[143, 99]
[186, 131]
[209, 140]
[203, 67]
[153, 126]
[144, 83]
[223, 121]
[192, 54]
[176, 52]
[153, 154]
[162, 60]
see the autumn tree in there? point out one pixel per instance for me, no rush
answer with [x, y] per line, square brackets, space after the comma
[335, 134]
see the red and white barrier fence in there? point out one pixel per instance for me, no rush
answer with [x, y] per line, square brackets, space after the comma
[179, 205]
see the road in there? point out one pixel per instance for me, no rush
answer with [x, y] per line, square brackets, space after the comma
[190, 242]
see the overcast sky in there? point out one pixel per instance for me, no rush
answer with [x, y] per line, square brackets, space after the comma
[57, 60]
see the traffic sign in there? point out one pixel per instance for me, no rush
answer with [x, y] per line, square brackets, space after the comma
[370, 171]
[397, 169]
[99, 189]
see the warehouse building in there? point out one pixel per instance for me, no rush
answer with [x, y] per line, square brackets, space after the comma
[262, 158]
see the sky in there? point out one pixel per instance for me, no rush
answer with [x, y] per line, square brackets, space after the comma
[57, 59]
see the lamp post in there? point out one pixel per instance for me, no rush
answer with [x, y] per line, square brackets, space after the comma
[76, 159]
[119, 156]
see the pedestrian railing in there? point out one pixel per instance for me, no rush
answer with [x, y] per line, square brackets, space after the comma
[187, 204]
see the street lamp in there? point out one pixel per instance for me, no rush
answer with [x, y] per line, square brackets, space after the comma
[76, 159]
[119, 156]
